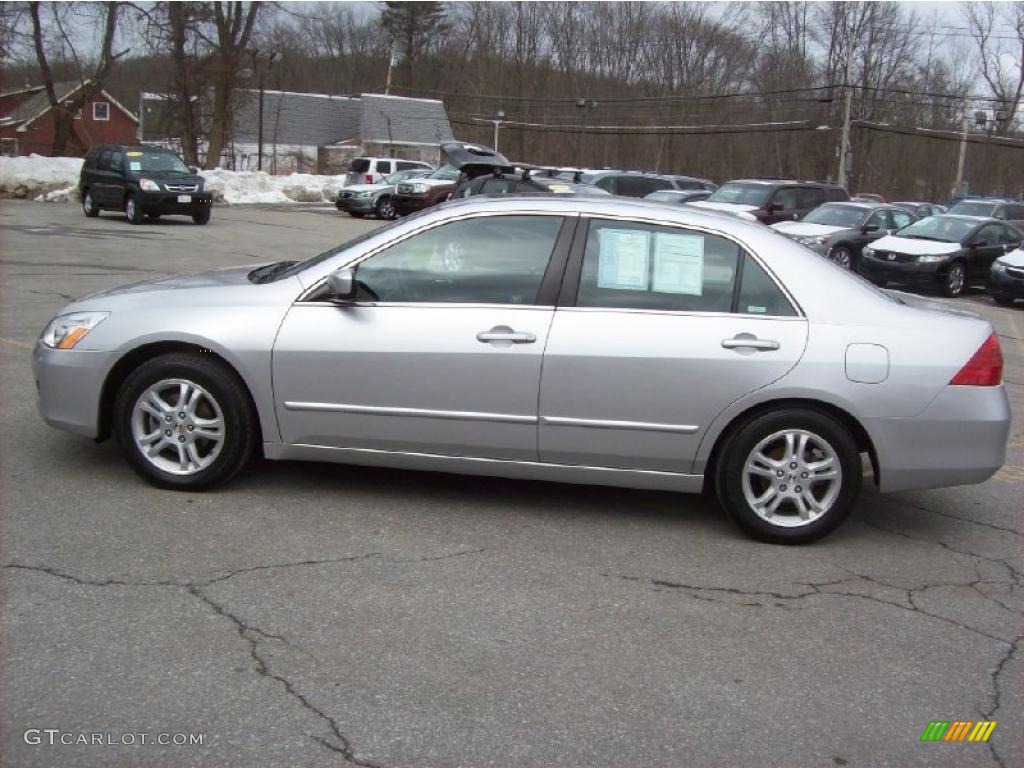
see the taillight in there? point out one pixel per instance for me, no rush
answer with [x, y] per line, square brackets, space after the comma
[985, 368]
[369, 178]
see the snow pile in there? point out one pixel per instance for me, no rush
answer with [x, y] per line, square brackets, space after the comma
[261, 187]
[39, 177]
[55, 179]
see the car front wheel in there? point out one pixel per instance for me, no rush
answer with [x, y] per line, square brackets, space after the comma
[133, 211]
[955, 280]
[89, 206]
[385, 209]
[789, 476]
[184, 421]
[842, 256]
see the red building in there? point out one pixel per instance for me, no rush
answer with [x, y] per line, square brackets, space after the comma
[27, 122]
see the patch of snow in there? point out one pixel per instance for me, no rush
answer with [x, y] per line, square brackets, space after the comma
[37, 176]
[66, 195]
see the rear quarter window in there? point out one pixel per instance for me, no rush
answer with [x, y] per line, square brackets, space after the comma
[359, 165]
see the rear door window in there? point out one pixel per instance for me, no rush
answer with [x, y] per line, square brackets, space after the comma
[117, 163]
[808, 198]
[631, 265]
[759, 294]
[384, 166]
[103, 163]
[785, 198]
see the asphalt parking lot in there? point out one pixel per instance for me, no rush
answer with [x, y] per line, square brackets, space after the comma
[322, 615]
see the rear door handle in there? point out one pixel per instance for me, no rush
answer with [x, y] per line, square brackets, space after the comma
[749, 341]
[501, 333]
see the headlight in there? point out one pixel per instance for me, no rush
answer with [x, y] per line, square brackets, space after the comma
[148, 185]
[419, 188]
[815, 240]
[868, 251]
[930, 259]
[65, 331]
[999, 266]
[364, 194]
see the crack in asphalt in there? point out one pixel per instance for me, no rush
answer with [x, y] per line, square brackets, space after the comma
[911, 505]
[251, 634]
[997, 693]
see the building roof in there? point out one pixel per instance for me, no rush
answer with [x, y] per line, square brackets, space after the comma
[401, 120]
[38, 103]
[311, 119]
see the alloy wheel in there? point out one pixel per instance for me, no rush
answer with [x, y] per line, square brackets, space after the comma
[955, 280]
[178, 426]
[792, 478]
[843, 257]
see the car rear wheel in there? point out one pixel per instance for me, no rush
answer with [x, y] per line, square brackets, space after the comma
[789, 476]
[955, 280]
[184, 421]
[202, 217]
[842, 256]
[89, 206]
[384, 209]
[132, 211]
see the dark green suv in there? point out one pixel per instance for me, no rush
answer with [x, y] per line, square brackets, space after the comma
[142, 181]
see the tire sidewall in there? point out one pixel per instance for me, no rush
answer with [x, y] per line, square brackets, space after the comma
[223, 386]
[729, 482]
[849, 253]
[133, 211]
[89, 205]
[947, 287]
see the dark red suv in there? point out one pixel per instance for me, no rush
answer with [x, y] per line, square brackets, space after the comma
[772, 200]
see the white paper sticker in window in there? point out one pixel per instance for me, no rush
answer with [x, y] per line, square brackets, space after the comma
[622, 259]
[135, 166]
[678, 263]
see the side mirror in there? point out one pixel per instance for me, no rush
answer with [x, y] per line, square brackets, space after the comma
[870, 228]
[193, 170]
[343, 284]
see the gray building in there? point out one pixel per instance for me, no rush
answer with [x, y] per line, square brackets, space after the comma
[316, 133]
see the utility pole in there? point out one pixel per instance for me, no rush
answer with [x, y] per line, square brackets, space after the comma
[963, 155]
[391, 66]
[844, 145]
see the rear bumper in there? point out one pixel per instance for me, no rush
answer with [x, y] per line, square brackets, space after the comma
[68, 385]
[959, 439]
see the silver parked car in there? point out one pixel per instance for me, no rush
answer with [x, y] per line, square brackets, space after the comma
[359, 200]
[582, 340]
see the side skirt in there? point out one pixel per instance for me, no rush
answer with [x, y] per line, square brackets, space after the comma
[461, 465]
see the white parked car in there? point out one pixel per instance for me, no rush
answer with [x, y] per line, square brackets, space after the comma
[372, 170]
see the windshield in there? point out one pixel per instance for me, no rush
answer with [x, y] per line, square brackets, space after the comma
[155, 161]
[398, 176]
[829, 215]
[445, 172]
[941, 228]
[973, 208]
[741, 194]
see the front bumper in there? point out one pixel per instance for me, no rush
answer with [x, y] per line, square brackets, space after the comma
[959, 439]
[355, 204]
[167, 203]
[68, 384]
[912, 273]
[1005, 286]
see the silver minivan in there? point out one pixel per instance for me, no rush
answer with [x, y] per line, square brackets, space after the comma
[372, 170]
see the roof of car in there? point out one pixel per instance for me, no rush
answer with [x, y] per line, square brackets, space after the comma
[775, 182]
[966, 217]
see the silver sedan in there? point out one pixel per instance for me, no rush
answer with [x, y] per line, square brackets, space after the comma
[611, 342]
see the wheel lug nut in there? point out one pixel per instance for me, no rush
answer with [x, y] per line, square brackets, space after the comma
[167, 432]
[782, 487]
[181, 415]
[797, 489]
[190, 428]
[780, 473]
[181, 439]
[803, 475]
[167, 418]
[793, 465]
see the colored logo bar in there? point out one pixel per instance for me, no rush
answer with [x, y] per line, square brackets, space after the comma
[958, 730]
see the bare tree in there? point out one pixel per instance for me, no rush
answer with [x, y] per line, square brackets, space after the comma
[1001, 60]
[90, 78]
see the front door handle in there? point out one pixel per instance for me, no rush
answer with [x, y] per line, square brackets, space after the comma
[502, 333]
[749, 341]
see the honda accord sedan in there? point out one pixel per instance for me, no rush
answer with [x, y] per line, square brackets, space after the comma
[581, 340]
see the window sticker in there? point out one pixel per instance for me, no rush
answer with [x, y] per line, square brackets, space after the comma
[623, 259]
[134, 165]
[560, 189]
[678, 263]
[755, 310]
[134, 154]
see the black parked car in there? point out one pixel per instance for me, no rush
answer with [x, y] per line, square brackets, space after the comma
[841, 230]
[526, 182]
[141, 181]
[920, 210]
[638, 183]
[945, 252]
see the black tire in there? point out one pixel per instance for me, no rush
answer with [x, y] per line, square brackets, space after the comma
[384, 208]
[153, 216]
[843, 256]
[730, 477]
[240, 424]
[1002, 301]
[89, 207]
[355, 215]
[955, 280]
[132, 211]
[201, 217]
